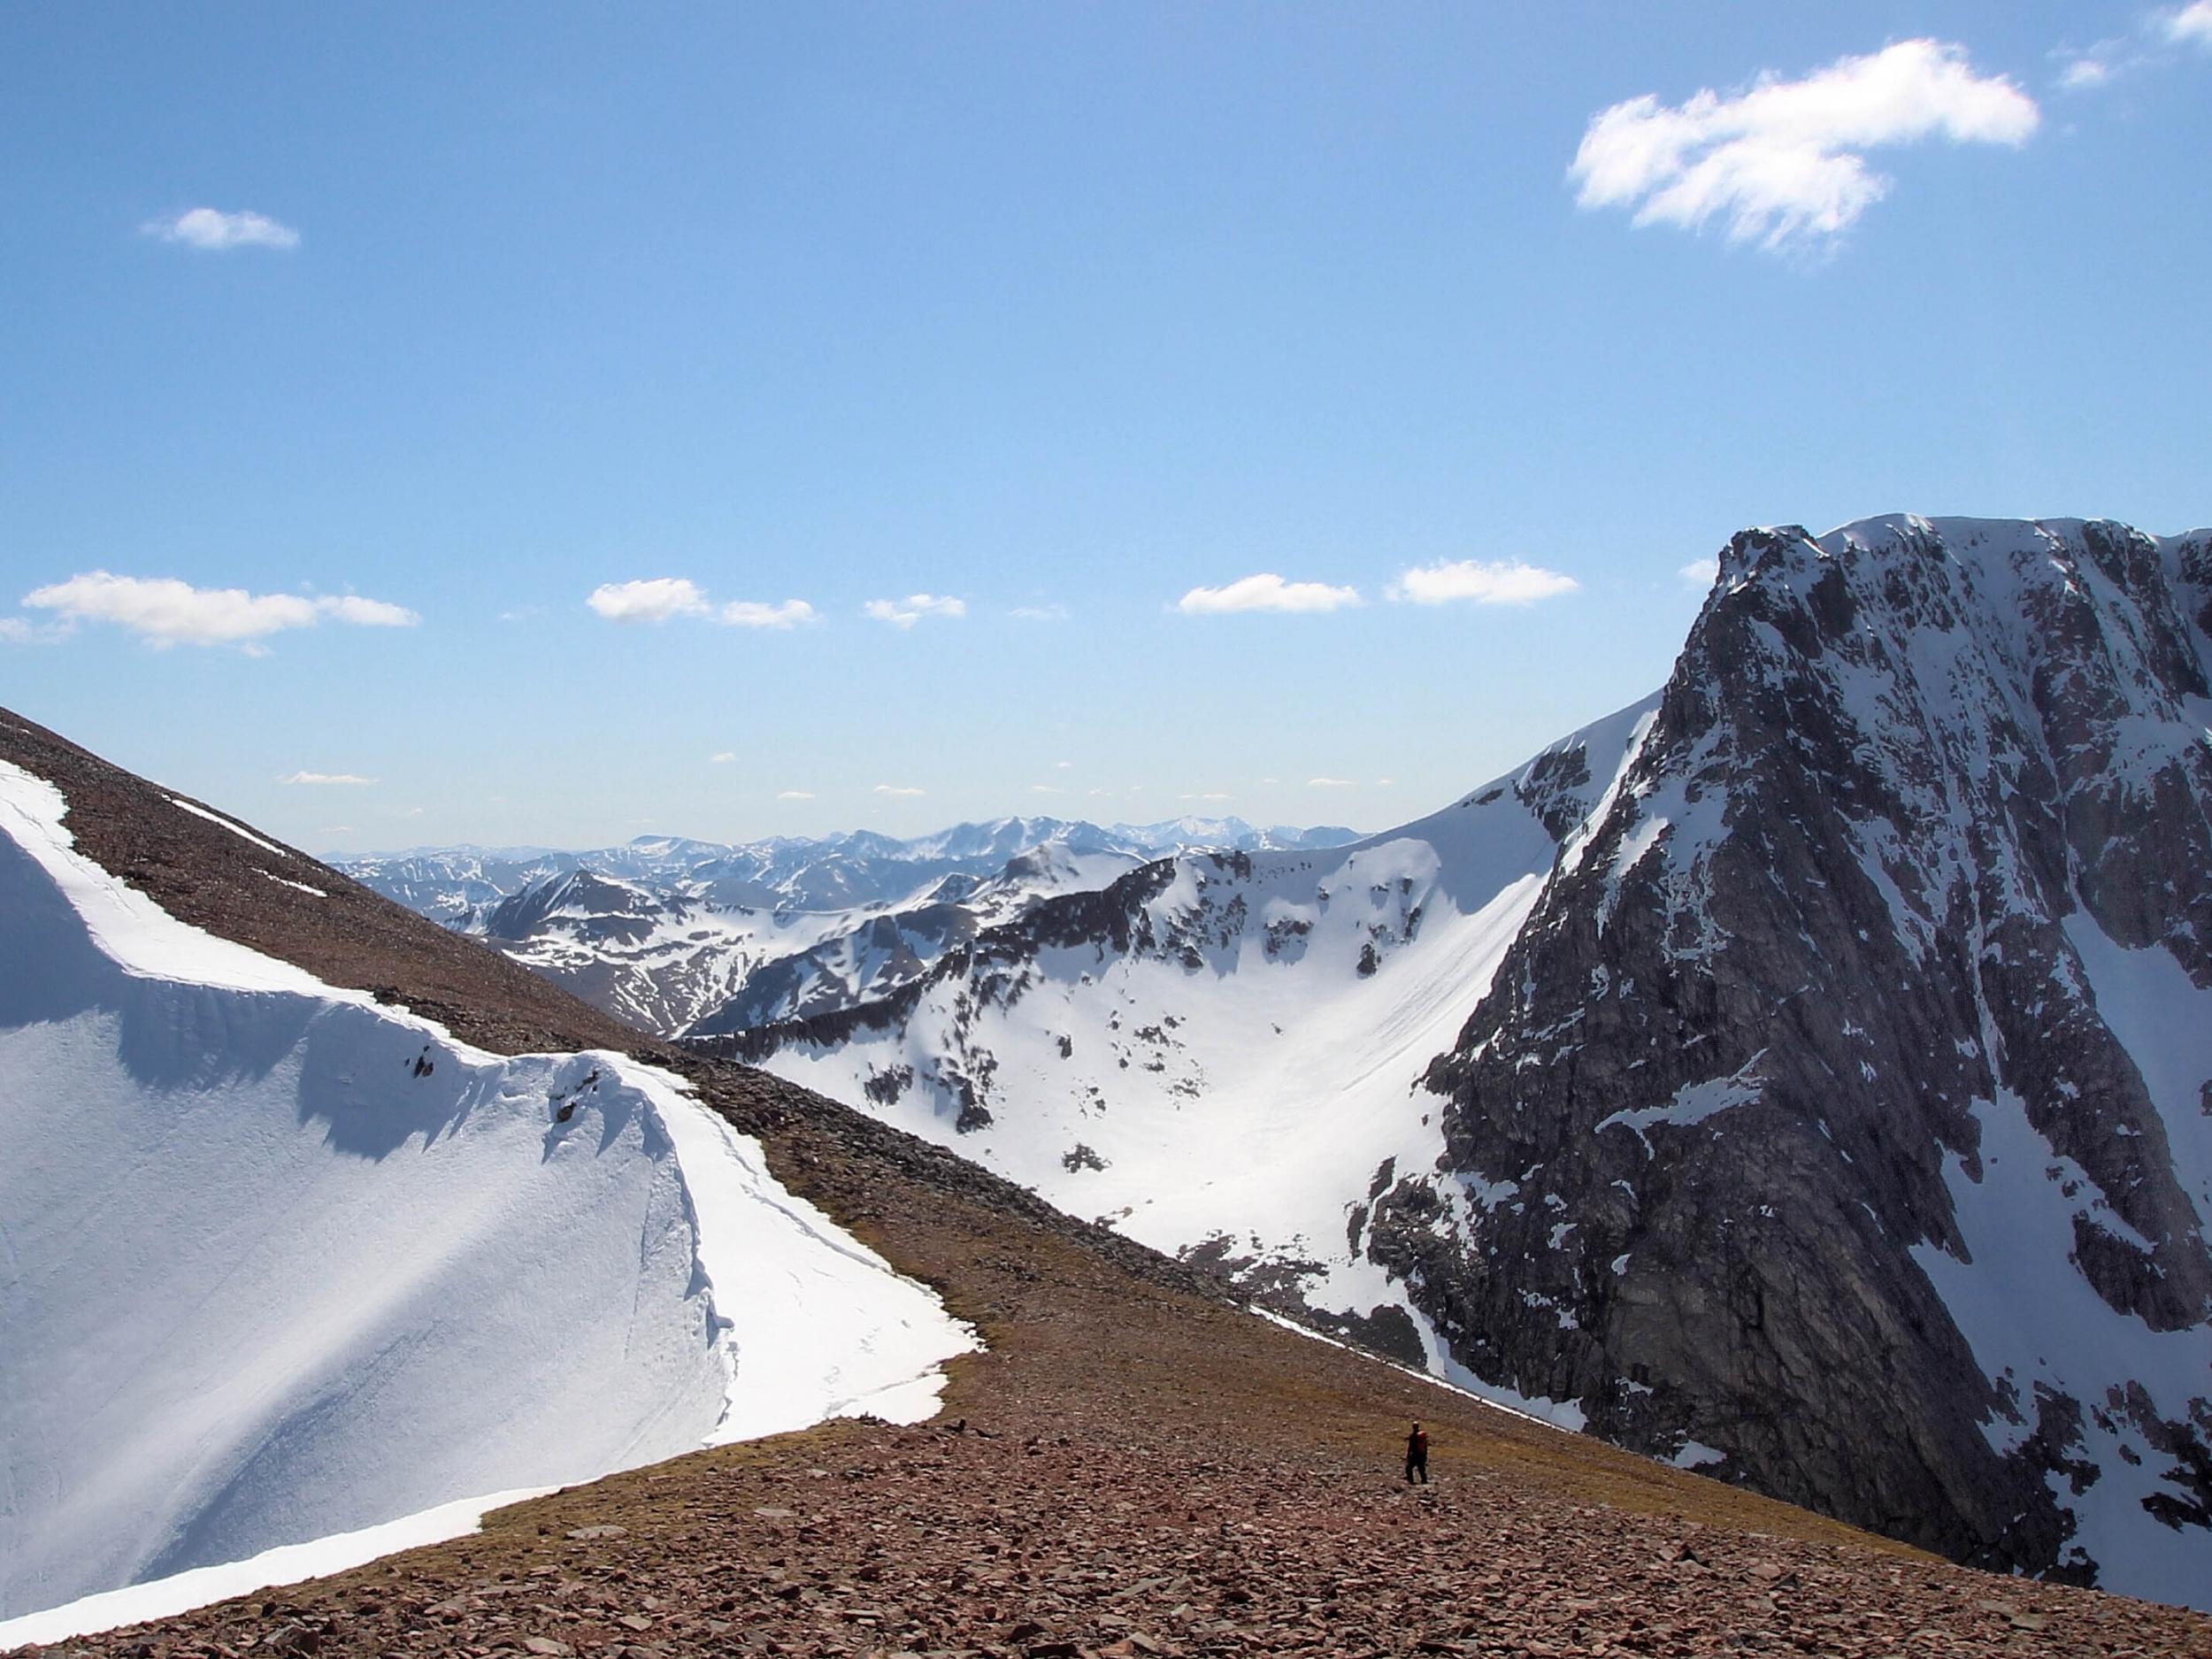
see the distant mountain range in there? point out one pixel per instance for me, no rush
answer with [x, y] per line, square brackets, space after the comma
[680, 936]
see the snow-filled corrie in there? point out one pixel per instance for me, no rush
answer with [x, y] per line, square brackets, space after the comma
[277, 1263]
[1232, 1076]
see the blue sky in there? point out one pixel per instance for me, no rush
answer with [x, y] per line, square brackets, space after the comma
[360, 349]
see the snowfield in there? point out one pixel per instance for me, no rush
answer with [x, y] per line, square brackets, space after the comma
[278, 1263]
[1239, 1083]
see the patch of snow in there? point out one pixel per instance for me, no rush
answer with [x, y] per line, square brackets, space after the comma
[1691, 1103]
[1550, 1414]
[239, 830]
[2164, 1022]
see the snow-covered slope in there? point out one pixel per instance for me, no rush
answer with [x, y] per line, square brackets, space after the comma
[1221, 1052]
[277, 1263]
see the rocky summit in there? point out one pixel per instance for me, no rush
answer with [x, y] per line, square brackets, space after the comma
[1841, 1106]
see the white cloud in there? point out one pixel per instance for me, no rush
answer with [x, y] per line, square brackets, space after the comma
[794, 794]
[1504, 582]
[1040, 613]
[904, 613]
[654, 599]
[347, 778]
[1266, 592]
[366, 613]
[1330, 783]
[2190, 25]
[1783, 161]
[662, 598]
[747, 613]
[165, 611]
[722, 758]
[1212, 795]
[216, 232]
[1700, 573]
[892, 788]
[1045, 788]
[14, 630]
[1064, 765]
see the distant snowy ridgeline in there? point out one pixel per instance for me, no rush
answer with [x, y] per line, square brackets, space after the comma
[277, 1263]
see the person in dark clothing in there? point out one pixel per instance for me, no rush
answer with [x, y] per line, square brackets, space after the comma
[1418, 1455]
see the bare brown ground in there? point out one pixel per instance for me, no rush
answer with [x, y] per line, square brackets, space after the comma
[1143, 1468]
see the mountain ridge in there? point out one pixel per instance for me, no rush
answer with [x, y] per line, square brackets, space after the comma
[1188, 1406]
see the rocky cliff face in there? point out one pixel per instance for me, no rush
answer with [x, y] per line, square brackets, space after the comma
[1839, 1119]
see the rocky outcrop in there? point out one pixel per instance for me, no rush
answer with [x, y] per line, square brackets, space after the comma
[1720, 1159]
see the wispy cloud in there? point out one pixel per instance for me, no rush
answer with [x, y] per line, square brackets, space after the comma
[165, 611]
[216, 232]
[1331, 783]
[1504, 582]
[1784, 162]
[663, 598]
[1265, 592]
[2085, 71]
[350, 780]
[1040, 613]
[2190, 25]
[904, 613]
[1045, 788]
[747, 613]
[794, 794]
[2090, 68]
[1210, 794]
[722, 758]
[898, 790]
[1700, 573]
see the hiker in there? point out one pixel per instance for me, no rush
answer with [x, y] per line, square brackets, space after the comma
[1418, 1455]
